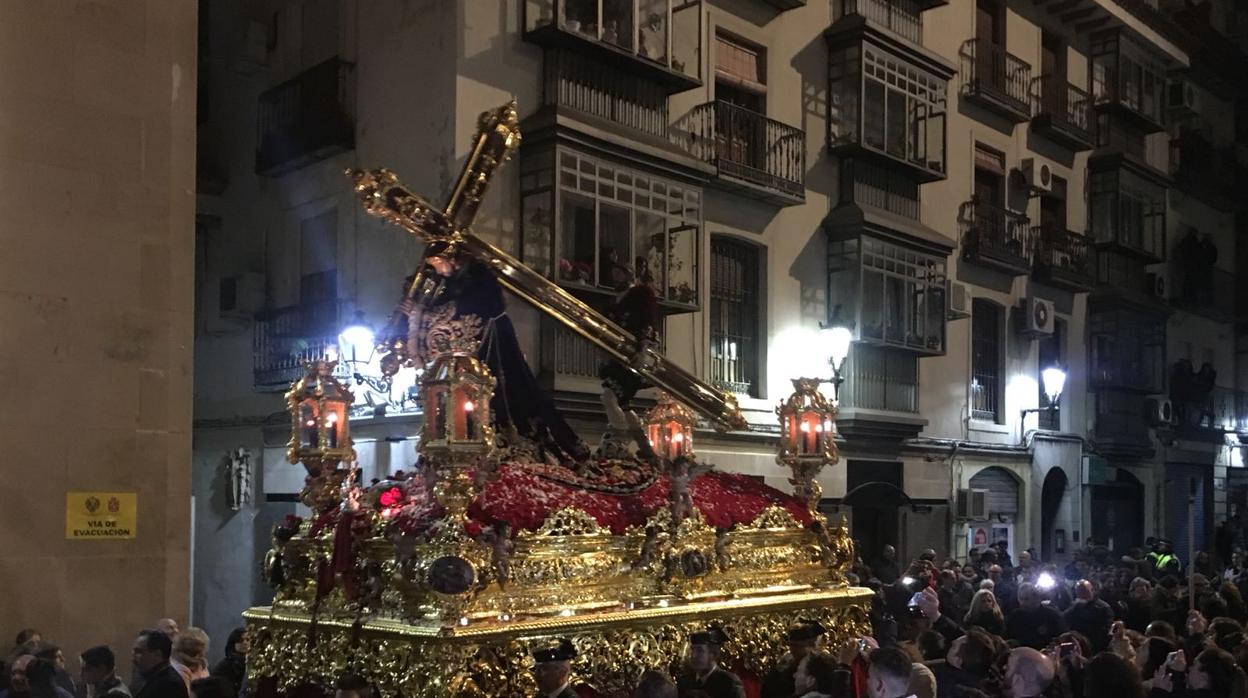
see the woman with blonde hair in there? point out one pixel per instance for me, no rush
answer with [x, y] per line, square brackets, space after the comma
[190, 655]
[985, 613]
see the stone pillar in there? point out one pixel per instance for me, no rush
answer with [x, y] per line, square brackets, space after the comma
[97, 211]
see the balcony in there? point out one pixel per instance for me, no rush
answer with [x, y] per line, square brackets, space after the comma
[1128, 80]
[1203, 170]
[1121, 428]
[286, 338]
[1203, 412]
[996, 79]
[1064, 259]
[755, 156]
[880, 397]
[1063, 113]
[1202, 291]
[662, 44]
[900, 17]
[1127, 212]
[995, 237]
[306, 119]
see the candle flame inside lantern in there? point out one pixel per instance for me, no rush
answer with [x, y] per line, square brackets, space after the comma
[468, 406]
[827, 425]
[805, 426]
[678, 437]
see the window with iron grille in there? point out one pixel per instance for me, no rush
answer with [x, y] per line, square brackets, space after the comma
[734, 315]
[1052, 352]
[986, 360]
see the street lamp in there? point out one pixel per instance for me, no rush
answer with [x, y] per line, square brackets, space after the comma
[1053, 379]
[356, 344]
[837, 339]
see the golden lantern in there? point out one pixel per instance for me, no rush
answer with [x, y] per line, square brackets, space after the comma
[807, 438]
[669, 426]
[458, 434]
[320, 435]
[457, 389]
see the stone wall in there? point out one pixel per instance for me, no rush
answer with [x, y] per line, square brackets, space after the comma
[97, 207]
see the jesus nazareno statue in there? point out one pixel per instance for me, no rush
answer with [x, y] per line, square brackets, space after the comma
[467, 298]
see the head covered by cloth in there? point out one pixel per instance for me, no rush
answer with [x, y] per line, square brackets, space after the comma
[562, 651]
[442, 248]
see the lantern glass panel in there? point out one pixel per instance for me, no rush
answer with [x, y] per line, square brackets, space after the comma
[308, 432]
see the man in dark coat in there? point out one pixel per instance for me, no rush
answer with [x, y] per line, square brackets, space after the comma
[151, 656]
[553, 668]
[1033, 624]
[705, 679]
[780, 682]
[1090, 616]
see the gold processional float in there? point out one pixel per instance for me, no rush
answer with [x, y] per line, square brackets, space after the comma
[397, 583]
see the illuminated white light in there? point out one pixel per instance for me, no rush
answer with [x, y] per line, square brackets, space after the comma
[804, 426]
[1045, 581]
[662, 603]
[463, 620]
[827, 425]
[468, 406]
[678, 437]
[357, 342]
[836, 342]
[1054, 382]
[566, 612]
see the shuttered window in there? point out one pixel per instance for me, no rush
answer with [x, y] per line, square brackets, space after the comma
[1002, 491]
[740, 64]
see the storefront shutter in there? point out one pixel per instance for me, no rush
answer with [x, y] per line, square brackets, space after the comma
[1002, 491]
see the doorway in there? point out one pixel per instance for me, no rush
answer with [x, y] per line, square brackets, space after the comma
[1051, 494]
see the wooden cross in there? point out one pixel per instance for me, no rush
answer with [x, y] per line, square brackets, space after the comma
[498, 136]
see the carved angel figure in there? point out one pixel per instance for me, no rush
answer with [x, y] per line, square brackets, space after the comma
[682, 472]
[238, 478]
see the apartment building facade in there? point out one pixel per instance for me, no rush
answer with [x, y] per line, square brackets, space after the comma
[979, 189]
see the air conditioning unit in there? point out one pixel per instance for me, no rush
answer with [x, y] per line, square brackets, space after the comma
[959, 300]
[1155, 285]
[1182, 99]
[240, 297]
[1037, 175]
[971, 505]
[253, 52]
[1036, 319]
[1159, 412]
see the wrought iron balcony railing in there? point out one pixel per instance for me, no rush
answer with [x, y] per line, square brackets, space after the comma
[996, 237]
[747, 146]
[306, 119]
[1208, 292]
[1210, 413]
[995, 78]
[902, 17]
[1063, 112]
[1064, 258]
[286, 338]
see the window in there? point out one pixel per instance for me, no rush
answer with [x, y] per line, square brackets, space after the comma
[740, 95]
[1129, 211]
[735, 302]
[662, 32]
[1051, 352]
[1126, 73]
[1128, 350]
[883, 103]
[986, 359]
[609, 220]
[318, 272]
[892, 295]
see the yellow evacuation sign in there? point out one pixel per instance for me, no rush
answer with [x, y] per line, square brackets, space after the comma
[100, 515]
